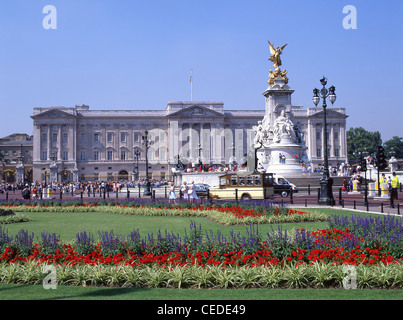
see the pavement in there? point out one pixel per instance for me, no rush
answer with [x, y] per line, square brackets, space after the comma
[348, 201]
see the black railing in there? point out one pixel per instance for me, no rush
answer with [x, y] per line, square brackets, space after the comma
[389, 205]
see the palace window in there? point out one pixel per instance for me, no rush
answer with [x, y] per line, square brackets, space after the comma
[162, 155]
[122, 155]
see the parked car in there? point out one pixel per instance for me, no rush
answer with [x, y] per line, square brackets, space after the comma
[283, 187]
[201, 190]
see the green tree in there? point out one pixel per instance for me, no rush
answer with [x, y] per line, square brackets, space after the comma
[360, 140]
[397, 144]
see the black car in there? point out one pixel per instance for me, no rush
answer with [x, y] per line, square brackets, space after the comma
[201, 190]
[284, 189]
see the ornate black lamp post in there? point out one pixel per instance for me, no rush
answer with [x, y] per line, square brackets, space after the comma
[326, 194]
[146, 142]
[136, 157]
[232, 158]
[200, 160]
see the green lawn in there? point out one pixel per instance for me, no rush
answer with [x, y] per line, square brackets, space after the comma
[68, 224]
[36, 292]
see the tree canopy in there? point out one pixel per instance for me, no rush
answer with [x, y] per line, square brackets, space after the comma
[397, 144]
[360, 140]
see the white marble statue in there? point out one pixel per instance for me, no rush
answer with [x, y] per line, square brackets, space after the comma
[260, 135]
[283, 126]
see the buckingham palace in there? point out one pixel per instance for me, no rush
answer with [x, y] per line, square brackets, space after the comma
[85, 144]
[81, 144]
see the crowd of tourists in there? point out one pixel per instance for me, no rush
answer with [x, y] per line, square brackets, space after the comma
[38, 190]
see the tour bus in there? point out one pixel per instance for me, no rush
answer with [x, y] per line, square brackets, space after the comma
[245, 185]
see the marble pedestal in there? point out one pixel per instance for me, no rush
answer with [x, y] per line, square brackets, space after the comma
[269, 157]
[54, 171]
[20, 173]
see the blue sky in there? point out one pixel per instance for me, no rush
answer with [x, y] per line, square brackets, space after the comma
[129, 54]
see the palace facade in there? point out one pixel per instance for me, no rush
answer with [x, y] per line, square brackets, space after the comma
[16, 152]
[81, 144]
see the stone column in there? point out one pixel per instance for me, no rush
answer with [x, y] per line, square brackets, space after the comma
[342, 137]
[60, 142]
[49, 149]
[312, 139]
[117, 142]
[331, 140]
[36, 155]
[184, 134]
[104, 142]
[71, 143]
[176, 140]
[213, 144]
[206, 143]
[218, 142]
[191, 144]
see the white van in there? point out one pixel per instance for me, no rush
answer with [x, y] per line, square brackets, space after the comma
[282, 186]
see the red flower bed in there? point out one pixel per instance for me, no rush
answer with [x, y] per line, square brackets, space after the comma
[239, 212]
[263, 256]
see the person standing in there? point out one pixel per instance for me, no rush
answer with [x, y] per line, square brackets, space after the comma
[346, 186]
[184, 190]
[34, 193]
[395, 185]
[172, 196]
[192, 192]
[26, 193]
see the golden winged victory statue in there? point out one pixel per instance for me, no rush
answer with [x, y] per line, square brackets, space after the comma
[276, 59]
